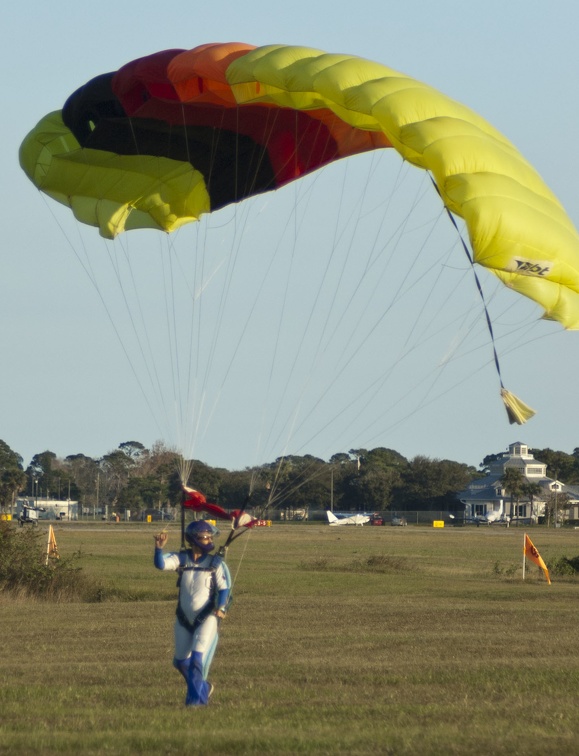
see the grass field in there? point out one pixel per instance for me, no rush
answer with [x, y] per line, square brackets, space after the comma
[340, 641]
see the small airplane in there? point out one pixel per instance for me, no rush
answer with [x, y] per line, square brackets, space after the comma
[489, 518]
[357, 519]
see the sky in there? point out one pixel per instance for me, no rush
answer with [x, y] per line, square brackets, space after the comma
[285, 349]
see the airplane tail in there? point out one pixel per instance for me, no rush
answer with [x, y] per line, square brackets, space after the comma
[331, 517]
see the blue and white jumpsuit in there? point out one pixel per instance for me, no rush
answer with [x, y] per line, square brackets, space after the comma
[204, 587]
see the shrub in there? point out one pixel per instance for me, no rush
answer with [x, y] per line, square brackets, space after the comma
[384, 563]
[509, 571]
[24, 572]
[316, 564]
[375, 563]
[564, 566]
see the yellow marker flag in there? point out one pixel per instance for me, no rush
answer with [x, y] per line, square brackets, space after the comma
[531, 553]
[51, 547]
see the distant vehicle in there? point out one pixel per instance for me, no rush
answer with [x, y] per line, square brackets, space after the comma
[356, 519]
[29, 515]
[376, 519]
[156, 515]
[400, 521]
[294, 514]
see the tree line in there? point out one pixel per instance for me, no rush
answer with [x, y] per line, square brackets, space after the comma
[132, 477]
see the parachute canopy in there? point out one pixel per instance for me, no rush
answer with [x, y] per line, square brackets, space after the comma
[180, 133]
[197, 502]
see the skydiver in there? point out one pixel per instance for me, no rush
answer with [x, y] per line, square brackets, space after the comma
[204, 590]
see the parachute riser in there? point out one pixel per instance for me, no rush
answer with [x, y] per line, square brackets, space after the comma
[183, 544]
[517, 411]
[232, 535]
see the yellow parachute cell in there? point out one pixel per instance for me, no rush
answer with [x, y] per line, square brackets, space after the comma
[181, 133]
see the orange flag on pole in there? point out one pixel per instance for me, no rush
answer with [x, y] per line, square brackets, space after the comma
[531, 553]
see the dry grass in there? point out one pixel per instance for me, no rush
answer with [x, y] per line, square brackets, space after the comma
[372, 640]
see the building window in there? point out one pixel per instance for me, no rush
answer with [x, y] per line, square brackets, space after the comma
[535, 471]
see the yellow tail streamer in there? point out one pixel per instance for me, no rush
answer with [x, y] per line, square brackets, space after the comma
[518, 411]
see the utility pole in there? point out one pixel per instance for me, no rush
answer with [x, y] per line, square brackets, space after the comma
[97, 495]
[332, 489]
[556, 492]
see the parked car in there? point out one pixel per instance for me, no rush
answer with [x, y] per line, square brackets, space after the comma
[396, 520]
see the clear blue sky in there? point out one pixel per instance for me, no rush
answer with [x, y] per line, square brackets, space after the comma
[67, 383]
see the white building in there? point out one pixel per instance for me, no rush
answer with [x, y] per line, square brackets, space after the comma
[486, 499]
[51, 509]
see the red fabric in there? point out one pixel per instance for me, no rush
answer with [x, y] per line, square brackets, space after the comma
[179, 87]
[196, 501]
[242, 519]
[193, 499]
[217, 511]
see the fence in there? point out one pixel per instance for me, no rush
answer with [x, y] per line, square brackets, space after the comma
[420, 517]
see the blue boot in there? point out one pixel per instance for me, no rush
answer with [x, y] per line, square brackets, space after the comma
[198, 689]
[182, 666]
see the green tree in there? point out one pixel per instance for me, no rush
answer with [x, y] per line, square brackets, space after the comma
[555, 505]
[530, 490]
[488, 460]
[385, 459]
[340, 458]
[142, 492]
[369, 486]
[205, 478]
[432, 483]
[165, 465]
[40, 474]
[560, 465]
[134, 450]
[341, 475]
[83, 472]
[297, 482]
[52, 477]
[574, 478]
[513, 481]
[371, 489]
[12, 476]
[113, 475]
[234, 489]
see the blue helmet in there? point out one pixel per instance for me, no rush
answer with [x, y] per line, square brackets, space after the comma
[197, 532]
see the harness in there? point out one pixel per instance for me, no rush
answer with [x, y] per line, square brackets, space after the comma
[206, 611]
